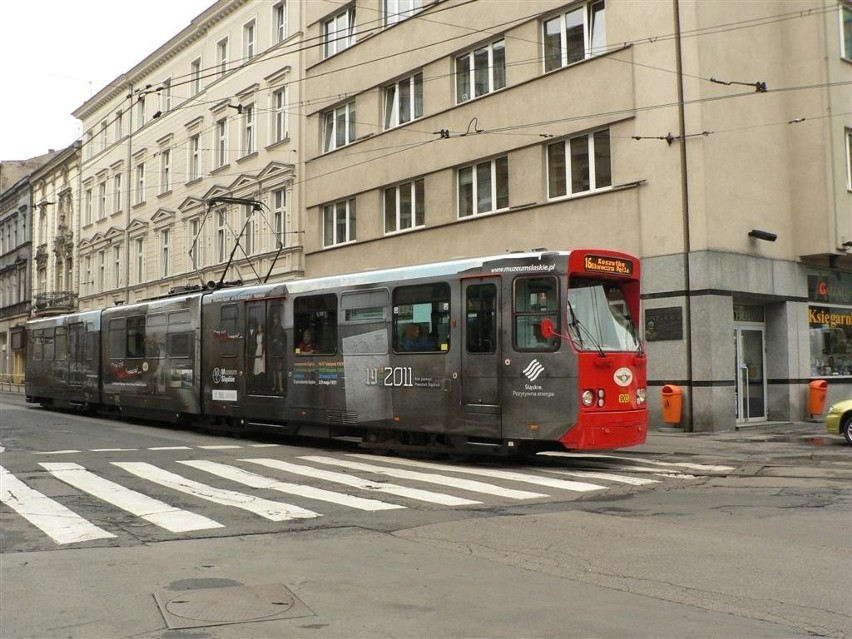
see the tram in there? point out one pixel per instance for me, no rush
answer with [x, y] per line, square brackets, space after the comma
[505, 354]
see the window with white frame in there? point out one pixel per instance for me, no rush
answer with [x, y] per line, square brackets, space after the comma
[116, 193]
[165, 170]
[280, 131]
[279, 21]
[101, 271]
[140, 111]
[139, 259]
[165, 238]
[116, 266]
[89, 204]
[221, 142]
[194, 157]
[398, 10]
[102, 200]
[222, 57]
[481, 71]
[574, 35]
[249, 40]
[118, 120]
[579, 164]
[166, 96]
[338, 223]
[339, 127]
[279, 217]
[195, 77]
[89, 282]
[338, 32]
[846, 30]
[196, 244]
[103, 135]
[404, 101]
[483, 187]
[249, 134]
[249, 229]
[140, 183]
[404, 206]
[221, 236]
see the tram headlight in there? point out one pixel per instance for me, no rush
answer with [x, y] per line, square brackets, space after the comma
[640, 396]
[588, 397]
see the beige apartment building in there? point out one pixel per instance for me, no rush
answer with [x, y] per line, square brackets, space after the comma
[712, 139]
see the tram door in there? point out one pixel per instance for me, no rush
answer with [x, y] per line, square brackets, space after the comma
[481, 355]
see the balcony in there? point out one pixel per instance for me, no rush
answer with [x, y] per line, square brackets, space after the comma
[54, 303]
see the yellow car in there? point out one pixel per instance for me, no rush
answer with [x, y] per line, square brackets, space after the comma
[839, 420]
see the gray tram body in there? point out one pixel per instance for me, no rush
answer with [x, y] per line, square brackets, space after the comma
[233, 358]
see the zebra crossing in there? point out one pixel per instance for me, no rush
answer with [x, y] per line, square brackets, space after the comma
[264, 487]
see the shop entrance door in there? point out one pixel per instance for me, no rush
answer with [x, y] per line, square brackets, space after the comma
[751, 373]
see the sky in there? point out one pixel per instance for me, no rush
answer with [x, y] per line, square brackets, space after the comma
[58, 53]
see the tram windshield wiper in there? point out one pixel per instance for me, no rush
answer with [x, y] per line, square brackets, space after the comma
[580, 328]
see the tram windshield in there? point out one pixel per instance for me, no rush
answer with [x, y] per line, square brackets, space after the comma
[598, 317]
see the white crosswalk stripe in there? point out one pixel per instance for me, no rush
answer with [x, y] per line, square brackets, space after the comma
[61, 524]
[273, 510]
[492, 473]
[431, 478]
[150, 509]
[363, 484]
[259, 481]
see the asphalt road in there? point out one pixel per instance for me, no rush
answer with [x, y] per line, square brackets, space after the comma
[194, 535]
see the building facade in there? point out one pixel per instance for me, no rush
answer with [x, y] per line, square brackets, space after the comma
[714, 140]
[189, 160]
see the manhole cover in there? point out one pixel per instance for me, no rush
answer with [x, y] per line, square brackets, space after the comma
[219, 606]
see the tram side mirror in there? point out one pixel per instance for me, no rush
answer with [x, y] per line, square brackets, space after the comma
[547, 330]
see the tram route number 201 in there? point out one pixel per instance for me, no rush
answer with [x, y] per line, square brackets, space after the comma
[390, 376]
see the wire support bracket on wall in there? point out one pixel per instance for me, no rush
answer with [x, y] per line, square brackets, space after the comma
[671, 138]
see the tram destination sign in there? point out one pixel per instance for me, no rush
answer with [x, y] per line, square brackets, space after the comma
[602, 264]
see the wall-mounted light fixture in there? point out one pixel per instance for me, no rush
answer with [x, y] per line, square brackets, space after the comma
[763, 235]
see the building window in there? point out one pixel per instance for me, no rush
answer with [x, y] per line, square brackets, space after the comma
[481, 71]
[483, 187]
[102, 200]
[249, 229]
[398, 10]
[166, 96]
[222, 57]
[574, 35]
[165, 170]
[103, 136]
[583, 162]
[338, 223]
[140, 111]
[140, 183]
[139, 251]
[195, 157]
[846, 28]
[221, 227]
[89, 205]
[279, 21]
[196, 244]
[116, 267]
[195, 77]
[101, 271]
[339, 32]
[221, 142]
[279, 126]
[119, 125]
[249, 40]
[404, 101]
[88, 270]
[404, 206]
[249, 143]
[164, 252]
[339, 127]
[279, 217]
[116, 193]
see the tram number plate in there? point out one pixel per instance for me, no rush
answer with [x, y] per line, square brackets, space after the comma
[624, 398]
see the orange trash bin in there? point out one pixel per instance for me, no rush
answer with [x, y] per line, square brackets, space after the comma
[817, 391]
[672, 404]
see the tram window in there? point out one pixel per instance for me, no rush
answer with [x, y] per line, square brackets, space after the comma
[38, 345]
[228, 332]
[117, 338]
[91, 342]
[365, 306]
[48, 344]
[421, 318]
[180, 317]
[315, 322]
[61, 344]
[536, 299]
[480, 318]
[179, 344]
[136, 336]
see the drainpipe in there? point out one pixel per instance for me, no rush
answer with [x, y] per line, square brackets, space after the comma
[684, 194]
